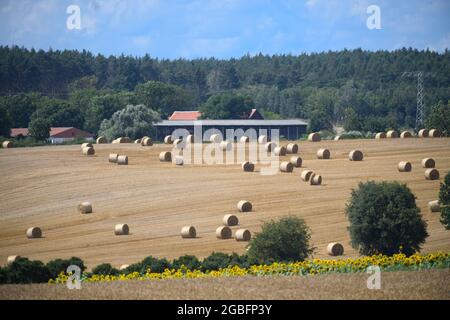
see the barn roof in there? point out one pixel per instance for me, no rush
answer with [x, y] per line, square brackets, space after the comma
[55, 132]
[185, 115]
[236, 122]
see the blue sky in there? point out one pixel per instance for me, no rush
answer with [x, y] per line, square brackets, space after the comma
[224, 28]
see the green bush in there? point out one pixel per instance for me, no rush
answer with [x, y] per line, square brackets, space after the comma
[105, 269]
[56, 266]
[216, 261]
[384, 219]
[352, 135]
[189, 261]
[3, 275]
[283, 240]
[444, 200]
[26, 271]
[152, 263]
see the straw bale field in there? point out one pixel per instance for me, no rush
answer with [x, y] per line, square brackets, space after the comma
[42, 186]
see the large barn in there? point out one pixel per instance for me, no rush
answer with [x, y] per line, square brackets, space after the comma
[291, 129]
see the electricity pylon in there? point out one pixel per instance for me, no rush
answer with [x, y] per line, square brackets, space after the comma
[420, 111]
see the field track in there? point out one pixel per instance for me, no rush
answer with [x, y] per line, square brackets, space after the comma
[42, 186]
[426, 284]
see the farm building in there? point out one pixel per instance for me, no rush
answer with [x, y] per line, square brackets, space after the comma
[195, 115]
[291, 129]
[57, 134]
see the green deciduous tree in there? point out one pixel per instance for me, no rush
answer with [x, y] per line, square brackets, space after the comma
[5, 122]
[444, 200]
[39, 129]
[227, 106]
[59, 113]
[164, 98]
[384, 219]
[132, 121]
[439, 118]
[287, 239]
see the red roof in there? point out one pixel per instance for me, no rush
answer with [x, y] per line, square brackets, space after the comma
[56, 132]
[185, 115]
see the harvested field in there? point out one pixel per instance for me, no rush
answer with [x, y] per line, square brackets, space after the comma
[42, 186]
[428, 284]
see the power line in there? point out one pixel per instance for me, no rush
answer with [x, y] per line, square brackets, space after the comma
[420, 110]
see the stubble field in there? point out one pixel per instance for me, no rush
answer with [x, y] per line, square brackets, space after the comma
[42, 186]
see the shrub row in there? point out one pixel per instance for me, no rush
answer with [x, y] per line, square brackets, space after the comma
[27, 271]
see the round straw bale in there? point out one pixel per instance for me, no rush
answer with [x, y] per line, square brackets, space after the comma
[434, 206]
[286, 166]
[113, 157]
[12, 259]
[165, 156]
[123, 267]
[123, 140]
[248, 166]
[34, 232]
[243, 235]
[137, 141]
[424, 133]
[101, 140]
[190, 138]
[85, 207]
[270, 146]
[323, 153]
[404, 166]
[355, 155]
[392, 134]
[179, 160]
[292, 148]
[225, 145]
[263, 139]
[7, 144]
[431, 174]
[244, 139]
[380, 135]
[428, 163]
[434, 133]
[168, 140]
[88, 151]
[86, 145]
[215, 138]
[280, 151]
[315, 180]
[296, 161]
[405, 134]
[314, 137]
[147, 142]
[230, 220]
[122, 160]
[244, 206]
[306, 175]
[188, 232]
[121, 229]
[223, 232]
[335, 249]
[178, 143]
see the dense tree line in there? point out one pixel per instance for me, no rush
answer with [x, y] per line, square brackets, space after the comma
[358, 89]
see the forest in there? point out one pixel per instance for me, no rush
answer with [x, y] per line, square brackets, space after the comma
[356, 89]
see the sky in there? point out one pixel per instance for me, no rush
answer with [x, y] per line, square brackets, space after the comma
[224, 28]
